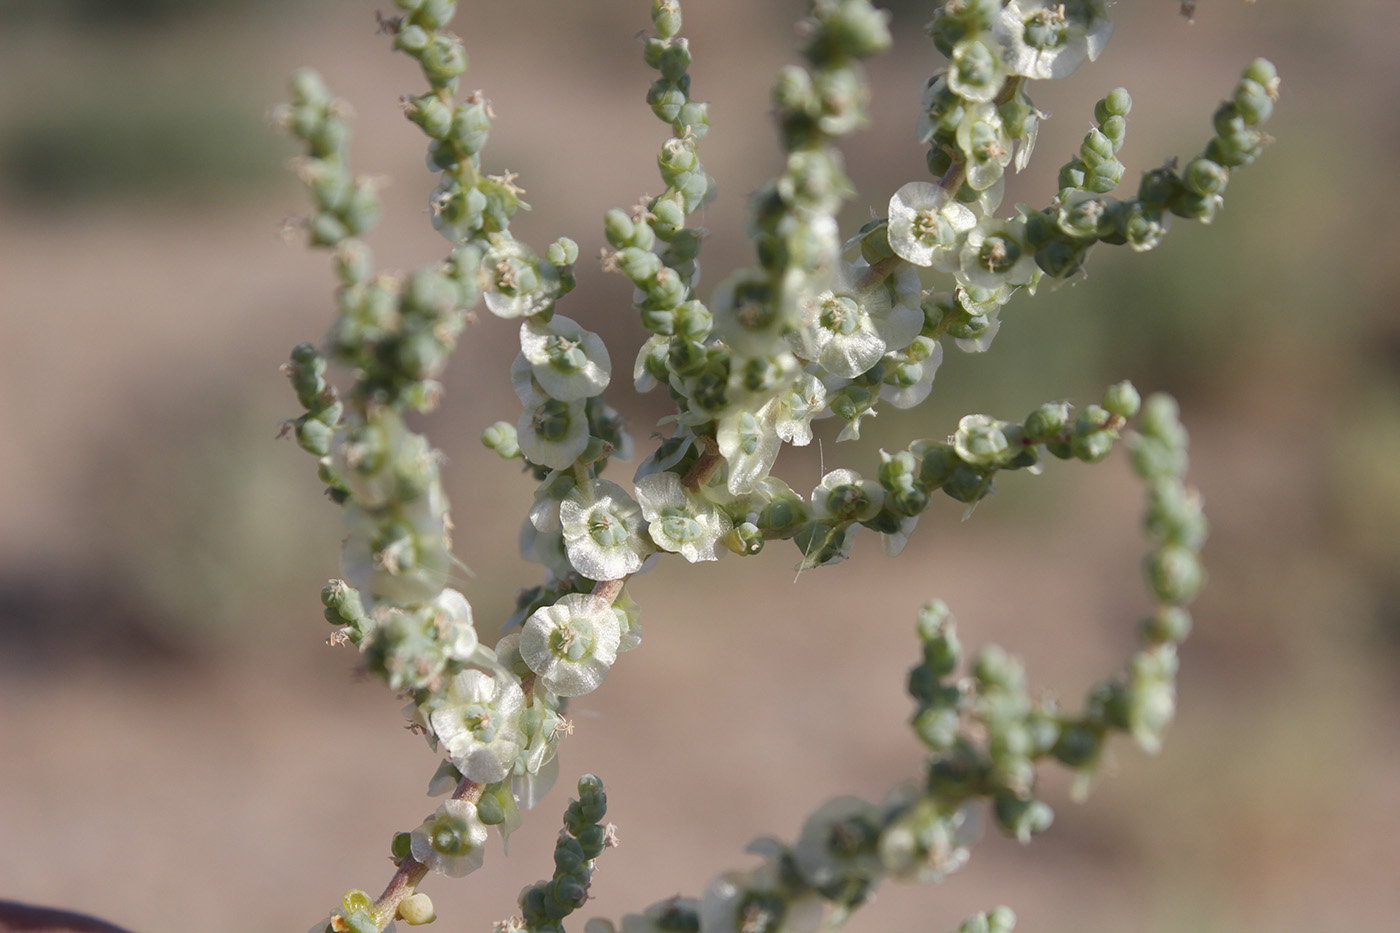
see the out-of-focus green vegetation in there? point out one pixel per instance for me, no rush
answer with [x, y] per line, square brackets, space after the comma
[166, 141]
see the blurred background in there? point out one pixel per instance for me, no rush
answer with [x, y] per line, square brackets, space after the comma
[178, 748]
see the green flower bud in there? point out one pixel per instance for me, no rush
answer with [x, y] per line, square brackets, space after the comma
[1079, 745]
[432, 114]
[327, 229]
[674, 60]
[502, 438]
[1104, 177]
[401, 847]
[981, 441]
[1175, 573]
[1253, 102]
[1116, 129]
[412, 39]
[1122, 400]
[1022, 818]
[1096, 148]
[937, 727]
[1168, 625]
[435, 14]
[666, 99]
[1048, 420]
[967, 484]
[1160, 419]
[593, 840]
[1001, 919]
[1118, 103]
[651, 51]
[443, 60]
[314, 435]
[666, 14]
[1205, 177]
[309, 89]
[638, 264]
[853, 29]
[471, 125]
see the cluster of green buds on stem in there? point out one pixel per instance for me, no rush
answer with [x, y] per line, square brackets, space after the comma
[820, 324]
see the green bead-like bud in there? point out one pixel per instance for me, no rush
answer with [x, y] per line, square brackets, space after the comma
[593, 840]
[618, 228]
[435, 14]
[1096, 148]
[309, 88]
[490, 810]
[1168, 625]
[1253, 102]
[666, 14]
[997, 670]
[1104, 177]
[1001, 919]
[562, 252]
[666, 99]
[1161, 419]
[1118, 103]
[1049, 420]
[651, 51]
[967, 484]
[503, 439]
[443, 60]
[1205, 177]
[638, 264]
[1079, 746]
[1122, 399]
[1116, 129]
[1175, 573]
[1021, 817]
[1092, 448]
[327, 229]
[314, 435]
[402, 846]
[412, 39]
[674, 60]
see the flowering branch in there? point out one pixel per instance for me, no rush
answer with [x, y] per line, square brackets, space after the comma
[819, 325]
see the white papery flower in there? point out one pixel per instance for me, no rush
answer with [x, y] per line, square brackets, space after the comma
[400, 554]
[843, 495]
[749, 442]
[656, 344]
[545, 547]
[840, 841]
[995, 254]
[452, 840]
[796, 407]
[1044, 39]
[479, 725]
[912, 393]
[847, 329]
[754, 902]
[452, 615]
[567, 361]
[926, 225]
[552, 432]
[984, 142]
[602, 527]
[514, 281]
[680, 521]
[571, 644]
[925, 844]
